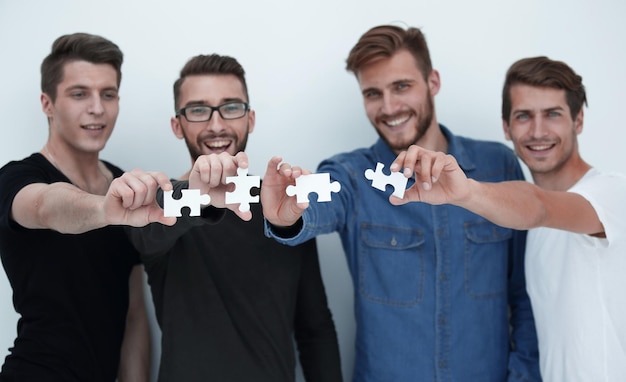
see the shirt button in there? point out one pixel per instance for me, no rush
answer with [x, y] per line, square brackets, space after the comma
[442, 364]
[443, 277]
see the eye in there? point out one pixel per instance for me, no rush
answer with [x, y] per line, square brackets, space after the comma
[232, 107]
[522, 116]
[402, 86]
[197, 110]
[78, 94]
[109, 95]
[371, 94]
[554, 113]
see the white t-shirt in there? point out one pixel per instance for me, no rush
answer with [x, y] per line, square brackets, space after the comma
[577, 287]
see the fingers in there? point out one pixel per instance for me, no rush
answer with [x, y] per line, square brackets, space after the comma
[212, 170]
[276, 166]
[427, 165]
[138, 188]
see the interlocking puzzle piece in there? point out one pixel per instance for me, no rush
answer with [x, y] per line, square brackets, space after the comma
[190, 198]
[380, 180]
[318, 183]
[243, 185]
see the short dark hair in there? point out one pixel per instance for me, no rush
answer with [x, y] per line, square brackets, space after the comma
[386, 40]
[78, 47]
[543, 72]
[209, 65]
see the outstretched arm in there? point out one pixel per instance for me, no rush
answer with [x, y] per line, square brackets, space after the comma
[278, 208]
[514, 204]
[130, 200]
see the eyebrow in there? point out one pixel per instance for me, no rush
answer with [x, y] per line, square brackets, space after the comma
[84, 87]
[554, 108]
[222, 101]
[547, 109]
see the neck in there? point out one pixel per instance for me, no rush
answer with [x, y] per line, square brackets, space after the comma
[86, 172]
[562, 179]
[434, 139]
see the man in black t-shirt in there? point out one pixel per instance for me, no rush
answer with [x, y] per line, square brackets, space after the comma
[76, 280]
[229, 300]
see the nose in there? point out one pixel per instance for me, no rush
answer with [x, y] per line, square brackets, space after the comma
[96, 106]
[538, 127]
[389, 104]
[216, 123]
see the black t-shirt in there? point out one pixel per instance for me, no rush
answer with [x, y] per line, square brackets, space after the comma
[70, 290]
[230, 301]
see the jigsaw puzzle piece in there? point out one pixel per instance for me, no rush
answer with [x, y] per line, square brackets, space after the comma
[243, 185]
[317, 183]
[380, 180]
[190, 199]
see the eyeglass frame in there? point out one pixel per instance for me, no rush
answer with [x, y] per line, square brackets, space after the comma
[183, 110]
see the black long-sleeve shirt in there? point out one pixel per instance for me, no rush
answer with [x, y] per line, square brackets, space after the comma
[229, 301]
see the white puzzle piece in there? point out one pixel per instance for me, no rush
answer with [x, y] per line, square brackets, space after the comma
[380, 180]
[190, 198]
[317, 183]
[243, 185]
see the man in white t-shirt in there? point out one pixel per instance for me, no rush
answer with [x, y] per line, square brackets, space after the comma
[576, 259]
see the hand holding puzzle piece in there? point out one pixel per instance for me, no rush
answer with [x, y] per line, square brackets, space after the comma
[380, 180]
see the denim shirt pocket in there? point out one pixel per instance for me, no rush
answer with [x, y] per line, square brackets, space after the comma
[487, 249]
[391, 265]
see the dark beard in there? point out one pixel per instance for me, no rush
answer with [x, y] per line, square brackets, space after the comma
[195, 151]
[422, 125]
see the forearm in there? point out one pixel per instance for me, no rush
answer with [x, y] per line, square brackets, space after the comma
[61, 207]
[135, 351]
[135, 354]
[513, 204]
[315, 332]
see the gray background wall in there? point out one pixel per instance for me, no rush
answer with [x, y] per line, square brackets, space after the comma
[308, 107]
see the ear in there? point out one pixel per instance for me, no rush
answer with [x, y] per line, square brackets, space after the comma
[506, 129]
[251, 120]
[578, 122]
[177, 129]
[434, 82]
[46, 104]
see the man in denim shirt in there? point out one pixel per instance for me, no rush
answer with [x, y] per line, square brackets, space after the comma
[439, 291]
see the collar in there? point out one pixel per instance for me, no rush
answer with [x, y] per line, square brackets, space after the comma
[456, 148]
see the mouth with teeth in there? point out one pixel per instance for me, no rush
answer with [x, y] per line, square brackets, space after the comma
[92, 127]
[218, 145]
[539, 148]
[396, 120]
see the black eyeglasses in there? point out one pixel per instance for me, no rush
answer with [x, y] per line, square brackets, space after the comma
[202, 113]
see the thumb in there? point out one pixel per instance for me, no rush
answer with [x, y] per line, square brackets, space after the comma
[397, 201]
[167, 220]
[247, 215]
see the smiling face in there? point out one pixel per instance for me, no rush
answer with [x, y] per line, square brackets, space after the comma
[542, 130]
[398, 101]
[83, 115]
[216, 135]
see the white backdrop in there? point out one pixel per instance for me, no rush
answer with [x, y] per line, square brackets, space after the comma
[308, 107]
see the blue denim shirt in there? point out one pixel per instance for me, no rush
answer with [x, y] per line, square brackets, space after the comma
[439, 291]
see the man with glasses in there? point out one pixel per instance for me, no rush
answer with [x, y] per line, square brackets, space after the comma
[229, 300]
